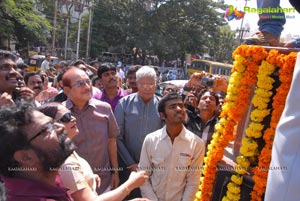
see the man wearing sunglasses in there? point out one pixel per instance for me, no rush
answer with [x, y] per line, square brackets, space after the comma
[97, 126]
[32, 150]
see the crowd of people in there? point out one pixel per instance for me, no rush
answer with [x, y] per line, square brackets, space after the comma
[102, 141]
[94, 132]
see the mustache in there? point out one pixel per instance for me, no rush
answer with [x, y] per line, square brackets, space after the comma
[10, 75]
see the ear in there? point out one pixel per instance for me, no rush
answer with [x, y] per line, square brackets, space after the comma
[162, 116]
[24, 157]
[66, 90]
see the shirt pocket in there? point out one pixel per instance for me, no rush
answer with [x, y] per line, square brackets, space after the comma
[183, 166]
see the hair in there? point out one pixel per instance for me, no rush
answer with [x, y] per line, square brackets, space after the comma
[166, 98]
[94, 80]
[203, 91]
[133, 69]
[145, 71]
[170, 84]
[4, 54]
[12, 135]
[49, 109]
[105, 67]
[30, 74]
[78, 62]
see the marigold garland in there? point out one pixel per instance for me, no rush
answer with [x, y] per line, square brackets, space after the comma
[286, 64]
[239, 91]
[249, 146]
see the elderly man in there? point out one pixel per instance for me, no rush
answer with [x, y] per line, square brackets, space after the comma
[137, 116]
[97, 126]
[32, 147]
[173, 156]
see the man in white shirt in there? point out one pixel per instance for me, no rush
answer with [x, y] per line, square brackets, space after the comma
[46, 64]
[172, 156]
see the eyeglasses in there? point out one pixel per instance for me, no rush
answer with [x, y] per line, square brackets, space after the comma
[7, 67]
[81, 83]
[147, 86]
[66, 118]
[49, 128]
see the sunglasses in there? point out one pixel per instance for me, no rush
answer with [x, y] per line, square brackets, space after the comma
[48, 129]
[65, 118]
[81, 83]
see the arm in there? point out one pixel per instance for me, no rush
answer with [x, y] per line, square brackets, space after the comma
[193, 176]
[135, 180]
[122, 149]
[112, 150]
[145, 164]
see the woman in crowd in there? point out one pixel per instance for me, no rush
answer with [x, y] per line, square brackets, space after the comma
[77, 174]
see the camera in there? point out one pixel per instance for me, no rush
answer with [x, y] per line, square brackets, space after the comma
[207, 81]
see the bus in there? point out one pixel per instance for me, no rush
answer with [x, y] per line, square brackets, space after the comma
[212, 67]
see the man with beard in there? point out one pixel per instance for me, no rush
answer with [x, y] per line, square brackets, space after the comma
[10, 78]
[172, 155]
[32, 150]
[111, 92]
[97, 126]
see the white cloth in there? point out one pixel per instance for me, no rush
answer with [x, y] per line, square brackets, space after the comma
[284, 177]
[174, 169]
[45, 66]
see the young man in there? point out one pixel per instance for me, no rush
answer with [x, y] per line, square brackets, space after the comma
[173, 156]
[111, 92]
[32, 149]
[97, 126]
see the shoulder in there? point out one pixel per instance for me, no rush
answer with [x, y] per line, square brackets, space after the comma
[193, 137]
[99, 104]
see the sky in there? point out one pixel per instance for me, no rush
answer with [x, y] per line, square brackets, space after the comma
[291, 26]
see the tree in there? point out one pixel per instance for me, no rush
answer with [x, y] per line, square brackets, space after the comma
[19, 21]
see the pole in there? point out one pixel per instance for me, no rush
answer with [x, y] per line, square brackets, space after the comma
[78, 31]
[89, 31]
[54, 27]
[67, 30]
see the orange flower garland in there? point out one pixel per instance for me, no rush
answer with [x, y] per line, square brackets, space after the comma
[238, 94]
[286, 64]
[243, 78]
[249, 145]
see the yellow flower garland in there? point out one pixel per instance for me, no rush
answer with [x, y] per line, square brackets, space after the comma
[249, 145]
[240, 85]
[286, 64]
[242, 79]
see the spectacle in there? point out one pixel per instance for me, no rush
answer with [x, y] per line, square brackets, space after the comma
[146, 86]
[49, 128]
[66, 118]
[7, 67]
[81, 83]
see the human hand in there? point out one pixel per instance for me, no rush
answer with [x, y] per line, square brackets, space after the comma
[26, 93]
[137, 179]
[133, 167]
[98, 180]
[115, 181]
[221, 83]
[140, 199]
[5, 99]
